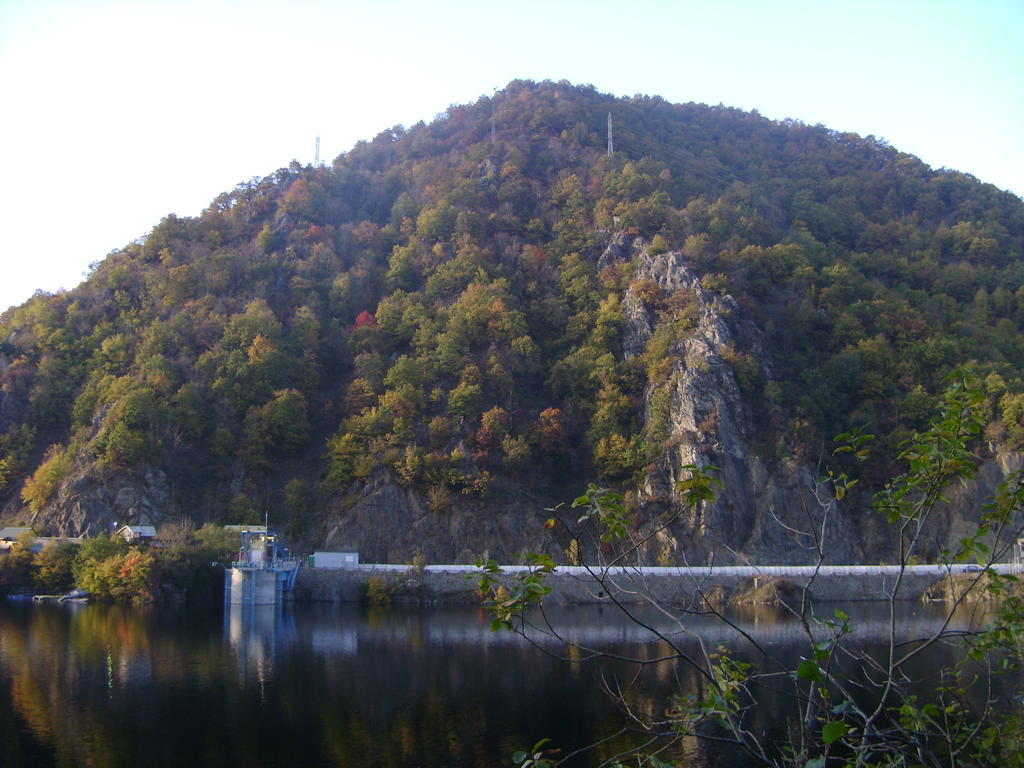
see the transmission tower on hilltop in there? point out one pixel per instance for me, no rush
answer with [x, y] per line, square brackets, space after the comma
[611, 144]
[316, 155]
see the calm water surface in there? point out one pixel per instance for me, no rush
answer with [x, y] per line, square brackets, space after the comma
[333, 686]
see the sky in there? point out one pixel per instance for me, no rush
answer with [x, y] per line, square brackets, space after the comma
[114, 114]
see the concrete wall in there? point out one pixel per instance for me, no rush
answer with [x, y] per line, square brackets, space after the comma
[445, 585]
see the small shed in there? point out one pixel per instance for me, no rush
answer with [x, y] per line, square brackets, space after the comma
[335, 559]
[134, 534]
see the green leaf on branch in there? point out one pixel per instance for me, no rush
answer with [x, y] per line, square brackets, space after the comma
[606, 508]
[808, 670]
[699, 486]
[535, 757]
[821, 650]
[833, 731]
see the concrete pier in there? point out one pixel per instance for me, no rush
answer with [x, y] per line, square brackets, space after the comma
[252, 586]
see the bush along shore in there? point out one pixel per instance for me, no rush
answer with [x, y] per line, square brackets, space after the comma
[180, 564]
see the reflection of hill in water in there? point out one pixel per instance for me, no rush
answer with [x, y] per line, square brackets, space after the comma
[136, 646]
[338, 685]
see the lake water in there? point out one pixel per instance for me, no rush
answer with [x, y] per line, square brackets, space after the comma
[337, 685]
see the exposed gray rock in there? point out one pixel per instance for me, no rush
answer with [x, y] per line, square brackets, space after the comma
[957, 516]
[761, 514]
[621, 247]
[87, 505]
[389, 523]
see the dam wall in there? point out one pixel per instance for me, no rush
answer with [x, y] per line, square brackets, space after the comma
[574, 585]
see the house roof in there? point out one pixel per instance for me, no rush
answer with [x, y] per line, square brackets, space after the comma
[146, 531]
[10, 534]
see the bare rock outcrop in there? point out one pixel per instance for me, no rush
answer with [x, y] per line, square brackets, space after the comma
[391, 523]
[762, 513]
[87, 504]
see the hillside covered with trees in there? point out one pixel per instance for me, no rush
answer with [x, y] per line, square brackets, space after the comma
[451, 311]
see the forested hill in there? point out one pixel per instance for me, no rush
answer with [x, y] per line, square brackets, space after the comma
[487, 311]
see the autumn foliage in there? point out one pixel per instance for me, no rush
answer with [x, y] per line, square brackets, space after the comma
[437, 305]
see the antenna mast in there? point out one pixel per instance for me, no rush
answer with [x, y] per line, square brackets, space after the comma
[316, 156]
[611, 144]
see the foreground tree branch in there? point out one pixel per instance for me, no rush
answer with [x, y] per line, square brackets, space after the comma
[849, 706]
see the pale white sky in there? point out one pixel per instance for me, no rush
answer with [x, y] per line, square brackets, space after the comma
[116, 113]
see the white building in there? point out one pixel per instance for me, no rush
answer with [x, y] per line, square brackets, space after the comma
[134, 534]
[335, 559]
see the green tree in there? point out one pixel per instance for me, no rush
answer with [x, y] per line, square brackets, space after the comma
[109, 570]
[616, 457]
[436, 223]
[493, 428]
[47, 478]
[217, 541]
[15, 445]
[403, 272]
[658, 245]
[125, 577]
[52, 567]
[17, 567]
[343, 453]
[94, 551]
[286, 422]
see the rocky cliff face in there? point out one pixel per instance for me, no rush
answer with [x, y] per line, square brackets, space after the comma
[88, 505]
[952, 520]
[764, 514]
[389, 523]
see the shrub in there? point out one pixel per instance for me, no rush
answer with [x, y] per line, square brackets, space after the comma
[378, 591]
[439, 498]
